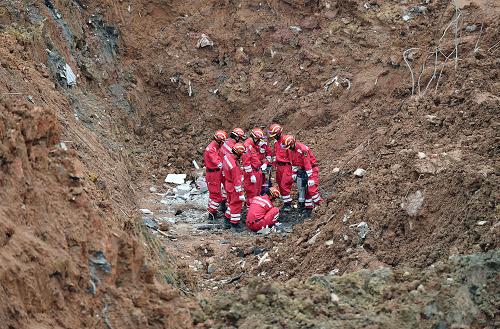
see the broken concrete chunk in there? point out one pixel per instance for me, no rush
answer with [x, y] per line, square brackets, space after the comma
[360, 172]
[175, 178]
[362, 229]
[329, 242]
[421, 155]
[204, 41]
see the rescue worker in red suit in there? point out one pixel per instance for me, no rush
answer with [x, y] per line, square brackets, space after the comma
[304, 164]
[237, 135]
[233, 185]
[261, 212]
[265, 156]
[252, 166]
[283, 166]
[213, 168]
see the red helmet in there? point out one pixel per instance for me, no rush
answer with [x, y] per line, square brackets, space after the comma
[238, 132]
[220, 136]
[274, 192]
[239, 149]
[288, 141]
[275, 129]
[257, 133]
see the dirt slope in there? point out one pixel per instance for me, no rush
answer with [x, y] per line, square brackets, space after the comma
[146, 102]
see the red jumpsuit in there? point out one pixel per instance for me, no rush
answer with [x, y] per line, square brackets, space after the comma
[213, 167]
[303, 159]
[227, 147]
[265, 156]
[251, 167]
[232, 184]
[283, 170]
[261, 213]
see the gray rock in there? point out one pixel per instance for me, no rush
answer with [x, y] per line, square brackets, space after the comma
[210, 268]
[471, 28]
[413, 203]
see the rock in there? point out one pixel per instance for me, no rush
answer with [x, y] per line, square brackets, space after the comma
[421, 288]
[433, 119]
[241, 57]
[335, 298]
[182, 190]
[360, 172]
[421, 155]
[204, 41]
[263, 259]
[406, 17]
[471, 28]
[413, 203]
[153, 189]
[329, 242]
[347, 216]
[362, 229]
[149, 222]
[295, 29]
[210, 268]
[163, 226]
[481, 222]
[146, 211]
[335, 170]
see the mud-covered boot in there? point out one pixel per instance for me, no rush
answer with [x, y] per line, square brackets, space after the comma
[301, 206]
[287, 207]
[212, 217]
[227, 224]
[237, 228]
[222, 207]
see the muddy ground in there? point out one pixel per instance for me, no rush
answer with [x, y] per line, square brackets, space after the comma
[406, 90]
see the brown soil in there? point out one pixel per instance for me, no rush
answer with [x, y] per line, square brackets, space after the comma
[68, 211]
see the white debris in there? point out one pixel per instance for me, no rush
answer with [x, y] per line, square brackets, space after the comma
[329, 242]
[182, 189]
[406, 18]
[70, 76]
[360, 172]
[481, 222]
[337, 81]
[146, 211]
[201, 184]
[335, 271]
[264, 231]
[63, 146]
[263, 259]
[175, 178]
[153, 189]
[204, 41]
[313, 239]
[336, 170]
[347, 215]
[413, 203]
[190, 89]
[295, 28]
[421, 155]
[335, 298]
[195, 164]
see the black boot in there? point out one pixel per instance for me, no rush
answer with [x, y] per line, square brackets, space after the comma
[301, 206]
[222, 207]
[287, 207]
[227, 224]
[212, 217]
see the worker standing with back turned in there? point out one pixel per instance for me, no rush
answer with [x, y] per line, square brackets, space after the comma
[213, 168]
[282, 165]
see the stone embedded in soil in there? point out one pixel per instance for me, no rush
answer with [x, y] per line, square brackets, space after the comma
[153, 189]
[413, 203]
[360, 172]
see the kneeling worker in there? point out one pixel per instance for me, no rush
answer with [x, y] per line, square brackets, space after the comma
[261, 212]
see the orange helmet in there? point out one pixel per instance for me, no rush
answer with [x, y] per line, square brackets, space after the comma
[274, 192]
[257, 133]
[238, 132]
[220, 136]
[275, 129]
[288, 141]
[239, 149]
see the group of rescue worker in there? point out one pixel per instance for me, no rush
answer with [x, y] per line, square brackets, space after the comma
[239, 170]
